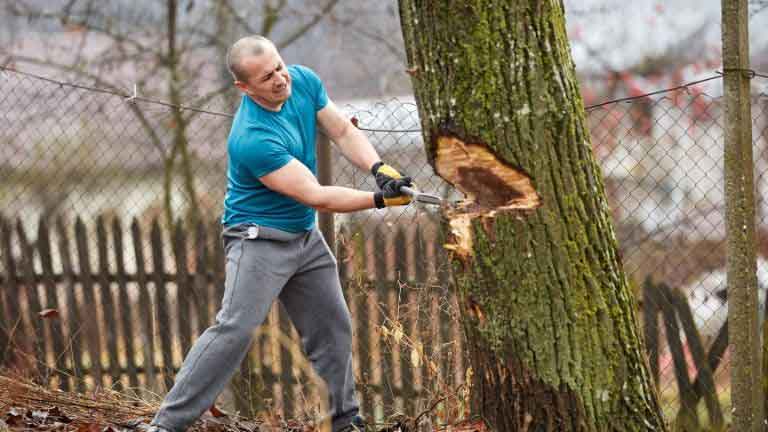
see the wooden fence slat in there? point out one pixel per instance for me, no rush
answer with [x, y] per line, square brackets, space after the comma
[201, 297]
[269, 379]
[183, 288]
[343, 257]
[34, 304]
[406, 320]
[56, 345]
[359, 287]
[383, 290]
[704, 373]
[432, 339]
[91, 326]
[406, 267]
[651, 326]
[17, 334]
[346, 260]
[161, 300]
[74, 323]
[687, 415]
[449, 365]
[145, 308]
[107, 304]
[126, 306]
[715, 354]
[402, 269]
[272, 327]
[5, 287]
[286, 361]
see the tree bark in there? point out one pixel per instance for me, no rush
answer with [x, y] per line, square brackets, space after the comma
[549, 315]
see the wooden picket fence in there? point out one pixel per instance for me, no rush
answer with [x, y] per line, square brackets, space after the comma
[119, 307]
[664, 304]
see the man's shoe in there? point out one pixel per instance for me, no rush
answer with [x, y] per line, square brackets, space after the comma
[141, 425]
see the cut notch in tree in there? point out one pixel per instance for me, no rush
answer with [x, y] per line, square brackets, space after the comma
[491, 186]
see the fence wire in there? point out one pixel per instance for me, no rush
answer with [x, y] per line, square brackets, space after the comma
[68, 152]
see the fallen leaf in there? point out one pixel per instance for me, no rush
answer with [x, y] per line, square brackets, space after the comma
[217, 412]
[14, 417]
[49, 313]
[415, 358]
[397, 333]
[472, 425]
[88, 427]
[432, 367]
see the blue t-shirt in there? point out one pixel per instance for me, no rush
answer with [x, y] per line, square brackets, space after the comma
[262, 141]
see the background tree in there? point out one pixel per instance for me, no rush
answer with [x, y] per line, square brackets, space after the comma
[548, 312]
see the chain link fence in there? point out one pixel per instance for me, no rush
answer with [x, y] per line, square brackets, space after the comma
[117, 166]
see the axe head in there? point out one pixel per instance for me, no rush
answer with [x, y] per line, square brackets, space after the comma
[421, 197]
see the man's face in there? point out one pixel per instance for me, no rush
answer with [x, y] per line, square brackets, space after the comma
[268, 82]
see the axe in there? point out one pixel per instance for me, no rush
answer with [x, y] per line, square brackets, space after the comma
[421, 197]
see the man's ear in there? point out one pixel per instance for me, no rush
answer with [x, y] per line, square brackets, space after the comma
[241, 85]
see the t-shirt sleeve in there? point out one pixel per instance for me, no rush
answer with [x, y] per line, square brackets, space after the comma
[263, 154]
[316, 87]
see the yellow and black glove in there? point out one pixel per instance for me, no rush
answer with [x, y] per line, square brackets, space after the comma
[384, 174]
[389, 181]
[390, 194]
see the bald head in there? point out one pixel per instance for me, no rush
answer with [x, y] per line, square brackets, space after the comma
[246, 47]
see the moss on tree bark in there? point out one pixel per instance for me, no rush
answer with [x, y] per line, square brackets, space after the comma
[549, 314]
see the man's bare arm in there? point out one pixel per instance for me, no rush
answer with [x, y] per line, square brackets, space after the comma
[353, 143]
[297, 181]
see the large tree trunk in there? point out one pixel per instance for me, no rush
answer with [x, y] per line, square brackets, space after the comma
[549, 315]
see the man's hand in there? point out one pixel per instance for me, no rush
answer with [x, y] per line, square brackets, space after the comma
[390, 194]
[384, 174]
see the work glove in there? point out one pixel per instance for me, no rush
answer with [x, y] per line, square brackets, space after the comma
[390, 194]
[384, 174]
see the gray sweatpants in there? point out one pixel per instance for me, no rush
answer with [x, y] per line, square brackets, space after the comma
[264, 264]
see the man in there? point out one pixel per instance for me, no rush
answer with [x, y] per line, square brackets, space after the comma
[273, 248]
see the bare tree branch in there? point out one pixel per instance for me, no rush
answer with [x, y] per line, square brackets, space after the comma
[238, 19]
[271, 17]
[397, 50]
[299, 32]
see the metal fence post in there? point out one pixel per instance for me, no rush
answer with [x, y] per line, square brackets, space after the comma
[746, 382]
[325, 177]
